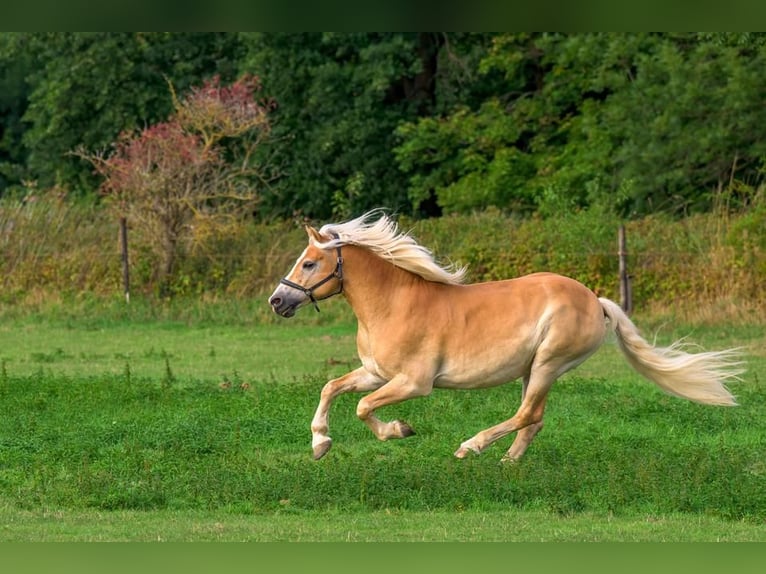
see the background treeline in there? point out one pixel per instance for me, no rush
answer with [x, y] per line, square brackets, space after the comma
[510, 153]
[424, 123]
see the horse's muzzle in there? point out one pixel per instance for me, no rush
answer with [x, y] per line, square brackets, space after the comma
[283, 306]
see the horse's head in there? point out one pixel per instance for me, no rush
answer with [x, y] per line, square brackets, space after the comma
[316, 275]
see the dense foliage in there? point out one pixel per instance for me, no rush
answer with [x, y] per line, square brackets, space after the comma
[64, 90]
[423, 123]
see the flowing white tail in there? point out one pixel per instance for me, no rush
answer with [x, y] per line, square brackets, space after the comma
[699, 377]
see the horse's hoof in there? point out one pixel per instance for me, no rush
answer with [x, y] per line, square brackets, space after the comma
[405, 430]
[462, 452]
[321, 449]
[465, 449]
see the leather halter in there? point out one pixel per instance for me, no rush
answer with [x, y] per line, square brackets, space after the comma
[309, 291]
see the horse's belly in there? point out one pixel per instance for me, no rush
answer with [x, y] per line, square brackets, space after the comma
[478, 375]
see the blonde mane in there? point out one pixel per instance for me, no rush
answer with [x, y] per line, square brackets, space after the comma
[382, 237]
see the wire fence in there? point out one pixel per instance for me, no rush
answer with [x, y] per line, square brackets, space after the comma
[58, 246]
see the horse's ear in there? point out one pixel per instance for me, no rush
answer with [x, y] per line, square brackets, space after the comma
[313, 234]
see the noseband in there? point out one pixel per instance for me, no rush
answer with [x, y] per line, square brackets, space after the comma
[309, 291]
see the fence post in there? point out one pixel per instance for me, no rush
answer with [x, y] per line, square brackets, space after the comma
[626, 296]
[124, 254]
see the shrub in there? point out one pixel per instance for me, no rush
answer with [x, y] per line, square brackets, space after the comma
[51, 249]
[191, 175]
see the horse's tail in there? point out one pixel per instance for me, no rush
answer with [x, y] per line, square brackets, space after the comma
[699, 377]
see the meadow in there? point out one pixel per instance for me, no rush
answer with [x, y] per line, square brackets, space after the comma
[123, 423]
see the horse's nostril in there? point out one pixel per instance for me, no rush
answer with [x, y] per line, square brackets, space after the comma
[275, 301]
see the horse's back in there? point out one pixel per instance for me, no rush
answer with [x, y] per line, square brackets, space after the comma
[552, 303]
[538, 294]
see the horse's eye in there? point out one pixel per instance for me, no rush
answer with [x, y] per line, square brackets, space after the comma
[308, 265]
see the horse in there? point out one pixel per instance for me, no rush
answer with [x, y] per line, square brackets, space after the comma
[422, 326]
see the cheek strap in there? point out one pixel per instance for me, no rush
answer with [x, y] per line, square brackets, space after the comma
[309, 291]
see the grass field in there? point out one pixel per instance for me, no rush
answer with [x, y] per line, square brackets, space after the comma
[132, 429]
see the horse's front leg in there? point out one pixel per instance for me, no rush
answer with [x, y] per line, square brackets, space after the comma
[357, 381]
[398, 389]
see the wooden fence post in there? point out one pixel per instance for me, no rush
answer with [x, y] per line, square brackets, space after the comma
[626, 295]
[124, 254]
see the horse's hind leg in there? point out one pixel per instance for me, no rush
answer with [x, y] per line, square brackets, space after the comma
[522, 441]
[528, 418]
[524, 436]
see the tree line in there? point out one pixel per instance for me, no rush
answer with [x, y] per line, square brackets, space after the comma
[423, 123]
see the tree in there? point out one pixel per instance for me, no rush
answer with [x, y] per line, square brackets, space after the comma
[340, 98]
[502, 150]
[689, 123]
[417, 122]
[635, 122]
[15, 65]
[189, 176]
[86, 88]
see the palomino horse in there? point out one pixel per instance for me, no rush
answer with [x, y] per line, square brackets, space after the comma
[420, 327]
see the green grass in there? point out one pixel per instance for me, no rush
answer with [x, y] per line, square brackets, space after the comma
[122, 430]
[371, 526]
[198, 347]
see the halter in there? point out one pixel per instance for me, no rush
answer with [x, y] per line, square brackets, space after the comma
[309, 291]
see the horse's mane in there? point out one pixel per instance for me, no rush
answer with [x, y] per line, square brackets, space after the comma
[382, 237]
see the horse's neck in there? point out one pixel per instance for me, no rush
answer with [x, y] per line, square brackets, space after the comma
[372, 283]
